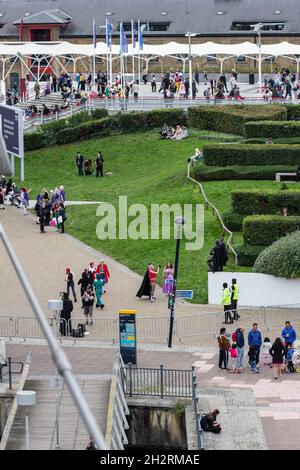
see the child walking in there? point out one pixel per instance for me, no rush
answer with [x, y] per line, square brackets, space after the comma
[233, 356]
[289, 356]
[266, 346]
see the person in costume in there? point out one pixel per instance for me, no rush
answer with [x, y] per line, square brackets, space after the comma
[168, 279]
[98, 285]
[70, 283]
[145, 289]
[102, 269]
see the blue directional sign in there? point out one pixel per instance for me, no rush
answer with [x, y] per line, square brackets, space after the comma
[184, 294]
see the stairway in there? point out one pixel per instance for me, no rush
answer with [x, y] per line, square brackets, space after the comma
[48, 100]
[72, 432]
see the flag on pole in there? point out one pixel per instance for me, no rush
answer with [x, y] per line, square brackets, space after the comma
[109, 30]
[141, 41]
[94, 34]
[123, 40]
[134, 33]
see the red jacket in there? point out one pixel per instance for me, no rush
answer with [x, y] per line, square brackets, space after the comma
[105, 270]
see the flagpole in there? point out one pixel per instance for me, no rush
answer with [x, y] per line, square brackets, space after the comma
[107, 52]
[139, 54]
[133, 42]
[94, 55]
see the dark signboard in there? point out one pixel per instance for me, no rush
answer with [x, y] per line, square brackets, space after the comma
[11, 121]
[128, 336]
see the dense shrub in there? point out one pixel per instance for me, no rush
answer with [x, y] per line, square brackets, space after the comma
[281, 259]
[272, 129]
[85, 130]
[247, 202]
[232, 119]
[68, 135]
[35, 140]
[172, 117]
[293, 111]
[266, 229]
[233, 222]
[99, 114]
[247, 254]
[213, 173]
[243, 154]
[133, 122]
[282, 140]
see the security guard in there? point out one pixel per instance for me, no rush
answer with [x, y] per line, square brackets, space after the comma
[226, 301]
[235, 291]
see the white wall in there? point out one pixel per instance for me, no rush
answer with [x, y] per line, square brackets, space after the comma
[255, 289]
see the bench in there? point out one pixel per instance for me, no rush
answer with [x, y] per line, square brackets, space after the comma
[279, 175]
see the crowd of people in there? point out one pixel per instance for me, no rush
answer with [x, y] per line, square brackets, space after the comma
[174, 83]
[50, 209]
[92, 286]
[282, 356]
[281, 85]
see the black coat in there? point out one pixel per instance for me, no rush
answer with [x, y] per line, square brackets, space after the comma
[277, 351]
[65, 326]
[145, 288]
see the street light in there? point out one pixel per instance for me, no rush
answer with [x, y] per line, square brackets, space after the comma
[190, 35]
[257, 29]
[26, 398]
[57, 306]
[179, 221]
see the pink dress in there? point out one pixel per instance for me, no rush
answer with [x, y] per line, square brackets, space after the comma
[168, 283]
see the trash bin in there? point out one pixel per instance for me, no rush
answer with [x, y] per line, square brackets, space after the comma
[251, 78]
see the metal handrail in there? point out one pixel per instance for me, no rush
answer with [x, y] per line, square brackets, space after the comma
[197, 411]
[214, 209]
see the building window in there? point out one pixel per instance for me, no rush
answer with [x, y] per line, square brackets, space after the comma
[154, 60]
[98, 60]
[148, 26]
[211, 58]
[240, 59]
[269, 59]
[248, 26]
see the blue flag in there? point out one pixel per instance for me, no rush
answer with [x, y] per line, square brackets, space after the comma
[109, 30]
[94, 34]
[123, 40]
[141, 41]
[134, 33]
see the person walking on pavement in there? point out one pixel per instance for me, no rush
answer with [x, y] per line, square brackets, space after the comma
[235, 291]
[99, 164]
[255, 340]
[84, 282]
[99, 284]
[223, 349]
[70, 283]
[65, 325]
[240, 345]
[288, 334]
[79, 163]
[226, 301]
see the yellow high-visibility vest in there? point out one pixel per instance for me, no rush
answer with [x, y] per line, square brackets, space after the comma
[226, 296]
[236, 291]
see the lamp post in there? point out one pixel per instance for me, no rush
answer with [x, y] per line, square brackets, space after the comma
[257, 29]
[179, 222]
[57, 306]
[26, 398]
[190, 35]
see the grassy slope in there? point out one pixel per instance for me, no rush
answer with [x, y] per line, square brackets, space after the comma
[148, 171]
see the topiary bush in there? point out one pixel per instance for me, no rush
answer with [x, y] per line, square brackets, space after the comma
[247, 254]
[68, 135]
[35, 140]
[272, 129]
[266, 229]
[246, 154]
[248, 202]
[233, 222]
[232, 119]
[213, 173]
[281, 259]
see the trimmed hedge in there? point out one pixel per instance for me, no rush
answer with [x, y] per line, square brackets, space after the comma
[272, 129]
[248, 202]
[266, 229]
[281, 259]
[247, 254]
[293, 111]
[35, 140]
[233, 222]
[232, 119]
[85, 130]
[246, 154]
[282, 140]
[213, 173]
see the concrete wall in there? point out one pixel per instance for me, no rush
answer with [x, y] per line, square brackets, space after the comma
[255, 289]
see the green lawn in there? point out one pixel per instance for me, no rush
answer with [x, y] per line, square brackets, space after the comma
[148, 171]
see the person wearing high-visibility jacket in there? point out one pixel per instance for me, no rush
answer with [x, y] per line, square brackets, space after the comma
[226, 301]
[235, 292]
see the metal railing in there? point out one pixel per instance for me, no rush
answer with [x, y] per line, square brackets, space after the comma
[214, 210]
[197, 411]
[10, 370]
[157, 382]
[40, 119]
[117, 410]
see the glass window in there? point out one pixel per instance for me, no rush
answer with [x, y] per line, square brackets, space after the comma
[241, 58]
[211, 58]
[249, 26]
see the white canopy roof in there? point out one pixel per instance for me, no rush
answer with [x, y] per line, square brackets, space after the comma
[162, 50]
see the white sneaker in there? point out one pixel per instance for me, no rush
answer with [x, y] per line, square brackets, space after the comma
[152, 299]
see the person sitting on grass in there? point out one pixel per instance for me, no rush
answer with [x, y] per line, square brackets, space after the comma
[164, 132]
[88, 168]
